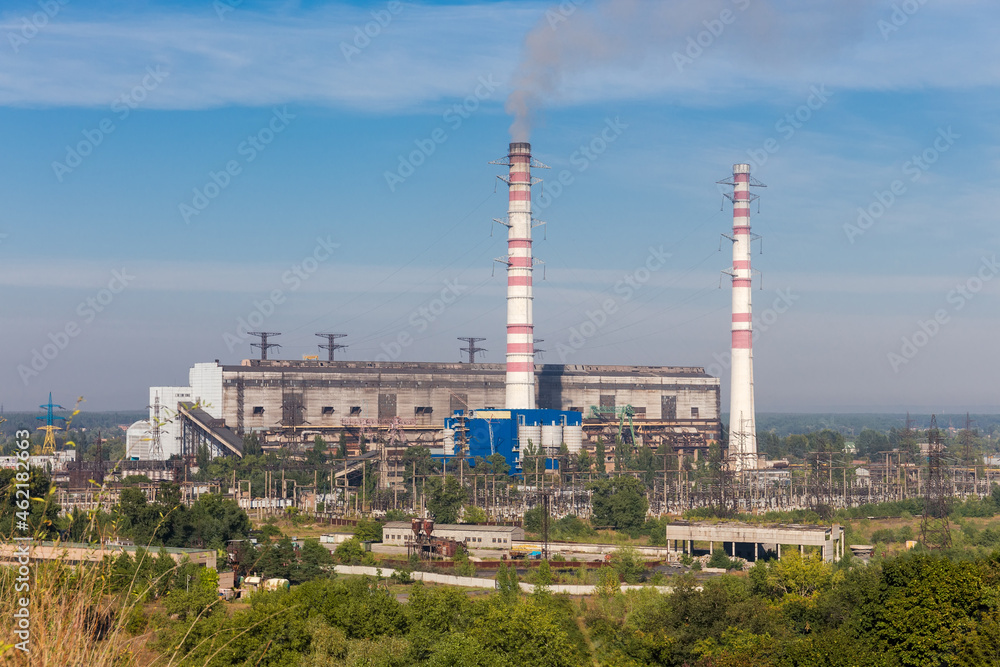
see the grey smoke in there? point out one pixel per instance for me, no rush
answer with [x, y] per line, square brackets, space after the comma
[580, 36]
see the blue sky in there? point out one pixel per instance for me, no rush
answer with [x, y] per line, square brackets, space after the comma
[896, 313]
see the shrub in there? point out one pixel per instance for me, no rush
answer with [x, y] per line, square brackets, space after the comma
[402, 576]
[628, 564]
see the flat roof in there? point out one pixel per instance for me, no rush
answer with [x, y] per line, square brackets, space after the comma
[316, 366]
[394, 525]
[743, 524]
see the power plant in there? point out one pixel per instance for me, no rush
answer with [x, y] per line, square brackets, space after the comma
[471, 410]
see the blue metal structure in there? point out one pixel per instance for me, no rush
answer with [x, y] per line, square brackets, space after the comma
[49, 446]
[491, 432]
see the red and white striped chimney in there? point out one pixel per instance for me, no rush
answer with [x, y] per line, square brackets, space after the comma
[520, 326]
[742, 418]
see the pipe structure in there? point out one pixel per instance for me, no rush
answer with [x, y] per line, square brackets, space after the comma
[520, 323]
[520, 381]
[742, 417]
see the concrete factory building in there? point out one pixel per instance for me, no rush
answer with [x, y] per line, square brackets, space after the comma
[290, 402]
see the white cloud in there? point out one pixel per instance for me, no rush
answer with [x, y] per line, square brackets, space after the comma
[428, 53]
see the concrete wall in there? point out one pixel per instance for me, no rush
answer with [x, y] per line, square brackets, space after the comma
[85, 553]
[478, 582]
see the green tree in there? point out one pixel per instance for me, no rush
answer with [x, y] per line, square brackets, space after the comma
[349, 552]
[473, 514]
[42, 512]
[368, 530]
[799, 575]
[252, 445]
[628, 564]
[543, 577]
[507, 583]
[215, 520]
[619, 502]
[313, 558]
[526, 633]
[498, 465]
[444, 499]
[600, 457]
[418, 461]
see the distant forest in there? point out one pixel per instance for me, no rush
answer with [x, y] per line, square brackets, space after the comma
[848, 424]
[106, 421]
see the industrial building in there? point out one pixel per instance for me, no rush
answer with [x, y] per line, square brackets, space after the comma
[290, 402]
[750, 542]
[489, 408]
[396, 533]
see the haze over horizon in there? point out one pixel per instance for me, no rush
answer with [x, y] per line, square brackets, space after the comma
[175, 169]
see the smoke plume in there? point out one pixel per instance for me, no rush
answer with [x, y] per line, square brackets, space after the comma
[578, 38]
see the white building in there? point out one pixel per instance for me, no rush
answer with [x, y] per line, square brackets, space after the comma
[138, 438]
[205, 390]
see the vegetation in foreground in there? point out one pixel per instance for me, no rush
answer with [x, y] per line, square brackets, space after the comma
[914, 609]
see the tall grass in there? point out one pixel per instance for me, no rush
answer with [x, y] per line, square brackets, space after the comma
[75, 619]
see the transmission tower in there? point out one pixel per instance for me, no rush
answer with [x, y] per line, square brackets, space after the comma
[263, 344]
[908, 438]
[539, 353]
[331, 344]
[968, 439]
[472, 349]
[935, 531]
[50, 428]
[155, 452]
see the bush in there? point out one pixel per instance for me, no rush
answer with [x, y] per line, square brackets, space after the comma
[628, 564]
[402, 576]
[884, 536]
[720, 559]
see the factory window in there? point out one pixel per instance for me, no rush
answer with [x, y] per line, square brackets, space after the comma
[327, 409]
[694, 413]
[258, 409]
[355, 410]
[575, 408]
[423, 410]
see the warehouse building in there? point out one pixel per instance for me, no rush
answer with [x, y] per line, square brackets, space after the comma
[396, 533]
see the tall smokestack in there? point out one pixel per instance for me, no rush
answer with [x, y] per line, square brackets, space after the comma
[520, 325]
[742, 418]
